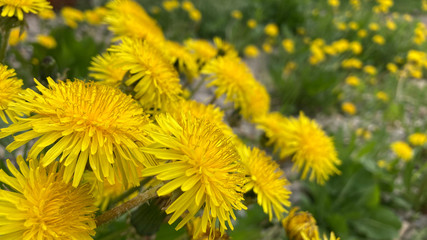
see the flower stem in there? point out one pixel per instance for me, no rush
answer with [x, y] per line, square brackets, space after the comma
[4, 41]
[127, 206]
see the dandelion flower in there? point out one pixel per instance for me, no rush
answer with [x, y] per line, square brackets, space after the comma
[16, 36]
[83, 123]
[299, 223]
[72, 16]
[352, 81]
[182, 58]
[126, 18]
[16, 8]
[202, 49]
[251, 23]
[105, 68]
[96, 16]
[42, 206]
[195, 231]
[233, 78]
[349, 108]
[382, 96]
[46, 41]
[170, 5]
[311, 148]
[288, 45]
[156, 82]
[203, 163]
[10, 87]
[378, 39]
[236, 14]
[417, 139]
[271, 30]
[251, 51]
[267, 180]
[332, 237]
[402, 150]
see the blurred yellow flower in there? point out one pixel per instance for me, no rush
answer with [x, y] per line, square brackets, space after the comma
[72, 16]
[371, 70]
[301, 30]
[383, 164]
[251, 51]
[356, 47]
[424, 5]
[47, 14]
[300, 223]
[187, 5]
[195, 15]
[391, 25]
[10, 88]
[349, 108]
[96, 16]
[382, 96]
[271, 30]
[289, 67]
[351, 63]
[288, 45]
[353, 25]
[46, 41]
[362, 33]
[334, 3]
[407, 17]
[378, 39]
[267, 48]
[417, 139]
[355, 4]
[392, 67]
[365, 133]
[251, 23]
[170, 5]
[236, 14]
[402, 150]
[374, 26]
[16, 36]
[420, 33]
[10, 8]
[341, 26]
[352, 81]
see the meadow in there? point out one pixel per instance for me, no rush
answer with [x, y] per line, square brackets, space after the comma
[195, 119]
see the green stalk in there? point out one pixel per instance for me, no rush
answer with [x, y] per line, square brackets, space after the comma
[4, 41]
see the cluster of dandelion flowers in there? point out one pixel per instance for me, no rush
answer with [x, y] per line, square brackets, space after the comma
[267, 180]
[197, 158]
[303, 138]
[182, 58]
[10, 87]
[83, 122]
[156, 82]
[16, 8]
[39, 205]
[126, 18]
[300, 225]
[105, 69]
[233, 78]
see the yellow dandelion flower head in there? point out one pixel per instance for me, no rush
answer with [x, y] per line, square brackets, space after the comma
[417, 139]
[311, 148]
[195, 15]
[258, 99]
[402, 150]
[271, 30]
[42, 206]
[233, 78]
[236, 14]
[47, 14]
[369, 69]
[352, 81]
[267, 180]
[17, 8]
[224, 48]
[200, 110]
[156, 82]
[96, 16]
[362, 33]
[46, 41]
[86, 124]
[72, 16]
[251, 51]
[351, 63]
[178, 54]
[382, 96]
[288, 45]
[300, 223]
[202, 49]
[195, 231]
[349, 108]
[203, 163]
[10, 87]
[356, 47]
[325, 237]
[16, 36]
[378, 39]
[251, 23]
[128, 18]
[391, 67]
[187, 5]
[105, 68]
[170, 5]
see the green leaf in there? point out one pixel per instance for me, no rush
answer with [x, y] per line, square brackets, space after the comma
[380, 224]
[147, 218]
